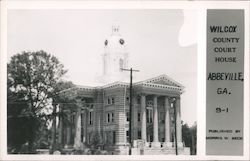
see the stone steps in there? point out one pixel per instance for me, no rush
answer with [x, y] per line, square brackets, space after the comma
[161, 151]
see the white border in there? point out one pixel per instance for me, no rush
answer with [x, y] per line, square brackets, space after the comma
[201, 83]
[201, 104]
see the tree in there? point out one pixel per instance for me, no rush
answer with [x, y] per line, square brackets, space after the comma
[193, 130]
[189, 137]
[186, 135]
[32, 78]
[61, 98]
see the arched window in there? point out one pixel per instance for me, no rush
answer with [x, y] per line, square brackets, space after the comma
[120, 64]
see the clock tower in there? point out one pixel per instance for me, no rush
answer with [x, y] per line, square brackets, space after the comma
[115, 57]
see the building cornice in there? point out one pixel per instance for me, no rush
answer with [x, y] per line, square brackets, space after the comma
[146, 83]
[160, 86]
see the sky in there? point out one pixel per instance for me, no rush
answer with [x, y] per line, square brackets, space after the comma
[158, 41]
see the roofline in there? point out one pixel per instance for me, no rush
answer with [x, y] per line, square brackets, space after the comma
[103, 87]
[143, 83]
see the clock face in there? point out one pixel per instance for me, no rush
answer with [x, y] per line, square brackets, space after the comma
[122, 41]
[106, 42]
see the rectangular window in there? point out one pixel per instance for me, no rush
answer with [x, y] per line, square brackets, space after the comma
[127, 99]
[90, 118]
[113, 117]
[127, 135]
[82, 136]
[127, 114]
[139, 117]
[139, 134]
[108, 118]
[108, 101]
[113, 100]
[162, 117]
[114, 135]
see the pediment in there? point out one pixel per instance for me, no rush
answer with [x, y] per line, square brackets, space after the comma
[163, 80]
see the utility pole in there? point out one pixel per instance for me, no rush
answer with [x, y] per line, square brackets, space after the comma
[130, 106]
[175, 128]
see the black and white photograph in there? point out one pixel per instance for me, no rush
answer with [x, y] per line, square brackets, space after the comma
[124, 80]
[102, 82]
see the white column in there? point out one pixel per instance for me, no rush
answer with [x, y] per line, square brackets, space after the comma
[77, 140]
[167, 123]
[68, 131]
[84, 121]
[143, 118]
[155, 142]
[178, 123]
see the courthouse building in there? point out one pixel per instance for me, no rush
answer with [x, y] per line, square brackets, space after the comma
[102, 114]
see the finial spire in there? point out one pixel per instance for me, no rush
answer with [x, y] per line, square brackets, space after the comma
[115, 28]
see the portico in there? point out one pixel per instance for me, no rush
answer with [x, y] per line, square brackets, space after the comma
[167, 121]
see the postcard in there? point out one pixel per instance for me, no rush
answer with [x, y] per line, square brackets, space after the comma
[124, 80]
